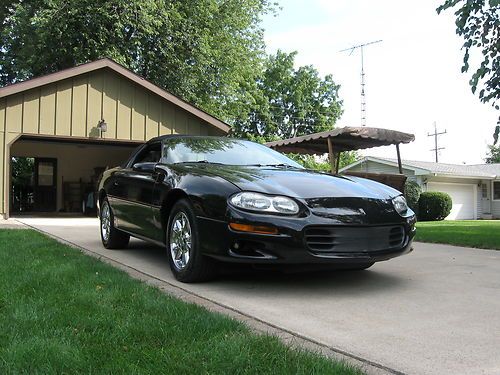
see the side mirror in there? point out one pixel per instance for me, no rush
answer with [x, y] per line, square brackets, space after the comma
[161, 172]
[144, 167]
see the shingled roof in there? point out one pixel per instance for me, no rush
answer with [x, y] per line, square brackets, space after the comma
[477, 170]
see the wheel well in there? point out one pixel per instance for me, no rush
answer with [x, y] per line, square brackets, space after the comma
[168, 203]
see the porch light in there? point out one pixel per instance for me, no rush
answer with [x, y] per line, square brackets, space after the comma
[102, 126]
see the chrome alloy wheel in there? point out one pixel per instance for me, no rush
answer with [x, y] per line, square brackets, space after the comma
[105, 221]
[180, 240]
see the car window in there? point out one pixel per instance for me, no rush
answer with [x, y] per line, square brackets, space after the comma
[151, 153]
[223, 151]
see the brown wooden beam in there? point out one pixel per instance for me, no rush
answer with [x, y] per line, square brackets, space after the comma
[337, 162]
[399, 159]
[331, 156]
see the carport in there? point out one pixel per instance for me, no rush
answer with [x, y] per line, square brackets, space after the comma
[349, 138]
[70, 125]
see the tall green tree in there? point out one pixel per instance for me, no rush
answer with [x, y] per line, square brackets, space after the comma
[205, 51]
[478, 22]
[289, 102]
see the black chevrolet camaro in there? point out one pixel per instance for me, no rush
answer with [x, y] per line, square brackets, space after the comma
[210, 200]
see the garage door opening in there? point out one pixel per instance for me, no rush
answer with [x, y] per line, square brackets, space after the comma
[50, 176]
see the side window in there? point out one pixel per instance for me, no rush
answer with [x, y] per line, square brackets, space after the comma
[151, 153]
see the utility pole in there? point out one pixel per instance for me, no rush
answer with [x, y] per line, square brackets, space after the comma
[435, 135]
[363, 95]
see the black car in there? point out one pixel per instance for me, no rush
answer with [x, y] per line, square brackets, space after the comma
[212, 199]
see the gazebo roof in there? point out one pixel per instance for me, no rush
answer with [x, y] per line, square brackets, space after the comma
[343, 139]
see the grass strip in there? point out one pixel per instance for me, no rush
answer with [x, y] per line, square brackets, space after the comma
[64, 312]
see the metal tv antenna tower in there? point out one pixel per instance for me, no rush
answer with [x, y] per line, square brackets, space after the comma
[435, 135]
[363, 95]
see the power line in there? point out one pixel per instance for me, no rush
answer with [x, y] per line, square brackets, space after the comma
[435, 135]
[363, 94]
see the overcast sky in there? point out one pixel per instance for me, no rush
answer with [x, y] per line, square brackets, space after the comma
[412, 78]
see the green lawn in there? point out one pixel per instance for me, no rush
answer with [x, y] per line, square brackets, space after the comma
[64, 312]
[473, 233]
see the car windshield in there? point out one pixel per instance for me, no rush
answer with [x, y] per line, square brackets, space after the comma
[223, 151]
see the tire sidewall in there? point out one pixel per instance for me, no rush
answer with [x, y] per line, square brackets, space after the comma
[184, 206]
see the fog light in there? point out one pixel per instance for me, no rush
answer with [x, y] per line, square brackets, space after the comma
[236, 245]
[259, 229]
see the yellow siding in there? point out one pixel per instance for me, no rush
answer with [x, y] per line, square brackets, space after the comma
[139, 114]
[193, 126]
[31, 112]
[110, 103]
[47, 109]
[94, 108]
[63, 114]
[79, 108]
[167, 119]
[181, 122]
[123, 130]
[2, 174]
[153, 118]
[14, 116]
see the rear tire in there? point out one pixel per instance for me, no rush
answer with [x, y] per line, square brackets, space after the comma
[111, 237]
[187, 262]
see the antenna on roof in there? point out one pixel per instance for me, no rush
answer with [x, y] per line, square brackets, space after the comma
[363, 95]
[435, 135]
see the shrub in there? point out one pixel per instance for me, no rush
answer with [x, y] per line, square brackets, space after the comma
[412, 194]
[433, 205]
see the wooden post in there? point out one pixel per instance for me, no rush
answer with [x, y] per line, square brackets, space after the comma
[399, 159]
[337, 163]
[331, 156]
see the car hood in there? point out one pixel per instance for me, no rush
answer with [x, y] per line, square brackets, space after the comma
[297, 183]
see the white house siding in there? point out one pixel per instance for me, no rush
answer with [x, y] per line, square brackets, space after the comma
[372, 167]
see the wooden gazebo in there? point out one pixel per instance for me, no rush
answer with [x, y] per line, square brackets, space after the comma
[349, 138]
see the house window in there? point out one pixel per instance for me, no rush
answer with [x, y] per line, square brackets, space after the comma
[484, 191]
[496, 190]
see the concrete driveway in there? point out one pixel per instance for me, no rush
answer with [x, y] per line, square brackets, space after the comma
[435, 311]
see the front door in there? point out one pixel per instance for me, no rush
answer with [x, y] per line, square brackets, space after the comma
[485, 199]
[45, 186]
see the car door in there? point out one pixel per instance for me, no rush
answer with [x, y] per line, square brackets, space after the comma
[136, 183]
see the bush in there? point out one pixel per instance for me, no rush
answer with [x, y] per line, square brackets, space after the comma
[433, 206]
[412, 194]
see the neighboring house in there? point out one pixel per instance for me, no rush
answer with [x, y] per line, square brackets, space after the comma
[474, 189]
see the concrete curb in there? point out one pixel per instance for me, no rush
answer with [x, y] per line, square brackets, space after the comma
[289, 337]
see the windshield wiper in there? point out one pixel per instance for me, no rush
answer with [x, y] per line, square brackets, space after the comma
[197, 162]
[279, 165]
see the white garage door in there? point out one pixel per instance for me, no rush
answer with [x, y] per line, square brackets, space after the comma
[463, 197]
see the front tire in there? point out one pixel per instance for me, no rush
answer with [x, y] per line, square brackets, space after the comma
[187, 262]
[111, 237]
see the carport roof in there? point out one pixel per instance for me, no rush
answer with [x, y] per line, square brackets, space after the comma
[121, 70]
[343, 139]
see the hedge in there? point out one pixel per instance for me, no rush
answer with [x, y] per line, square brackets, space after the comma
[412, 194]
[433, 206]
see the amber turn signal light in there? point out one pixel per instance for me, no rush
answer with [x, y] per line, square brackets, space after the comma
[260, 229]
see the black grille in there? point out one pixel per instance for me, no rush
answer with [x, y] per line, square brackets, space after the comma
[342, 239]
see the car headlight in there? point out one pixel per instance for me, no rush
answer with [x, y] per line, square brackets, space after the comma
[263, 203]
[400, 205]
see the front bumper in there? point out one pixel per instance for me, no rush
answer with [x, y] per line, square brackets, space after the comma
[289, 246]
